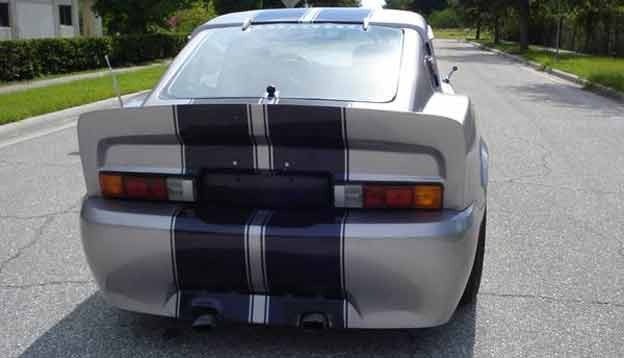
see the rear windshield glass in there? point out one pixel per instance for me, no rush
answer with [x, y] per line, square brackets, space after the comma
[303, 61]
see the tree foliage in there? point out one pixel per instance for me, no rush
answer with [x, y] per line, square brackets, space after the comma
[186, 20]
[225, 6]
[137, 16]
[425, 7]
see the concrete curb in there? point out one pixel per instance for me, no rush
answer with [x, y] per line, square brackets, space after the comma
[588, 85]
[33, 127]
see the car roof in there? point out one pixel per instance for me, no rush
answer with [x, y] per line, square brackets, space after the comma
[354, 15]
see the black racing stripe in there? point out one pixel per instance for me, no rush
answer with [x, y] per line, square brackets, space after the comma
[252, 137]
[287, 310]
[303, 254]
[210, 250]
[173, 260]
[343, 271]
[215, 136]
[345, 136]
[231, 307]
[308, 138]
[356, 16]
[282, 15]
[267, 136]
[179, 138]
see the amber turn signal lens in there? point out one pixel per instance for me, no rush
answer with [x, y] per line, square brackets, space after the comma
[111, 185]
[427, 197]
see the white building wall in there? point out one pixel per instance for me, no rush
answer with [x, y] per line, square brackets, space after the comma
[5, 33]
[35, 19]
[39, 19]
[66, 31]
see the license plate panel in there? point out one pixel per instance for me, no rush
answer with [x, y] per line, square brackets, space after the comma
[266, 190]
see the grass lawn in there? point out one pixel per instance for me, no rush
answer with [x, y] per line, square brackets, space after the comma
[58, 75]
[607, 71]
[16, 106]
[454, 34]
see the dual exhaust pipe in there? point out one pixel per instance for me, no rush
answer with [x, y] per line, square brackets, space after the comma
[207, 321]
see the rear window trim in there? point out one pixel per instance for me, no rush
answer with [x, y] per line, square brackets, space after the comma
[166, 95]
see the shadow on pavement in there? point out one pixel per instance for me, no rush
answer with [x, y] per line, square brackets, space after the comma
[569, 96]
[96, 329]
[473, 56]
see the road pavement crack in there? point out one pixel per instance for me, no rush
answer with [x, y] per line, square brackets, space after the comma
[72, 209]
[518, 181]
[43, 164]
[49, 283]
[553, 299]
[36, 237]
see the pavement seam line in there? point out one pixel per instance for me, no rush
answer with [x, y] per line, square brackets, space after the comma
[21, 162]
[49, 283]
[554, 299]
[517, 181]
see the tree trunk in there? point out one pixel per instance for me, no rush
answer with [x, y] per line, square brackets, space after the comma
[558, 44]
[589, 31]
[573, 39]
[524, 12]
[478, 36]
[496, 30]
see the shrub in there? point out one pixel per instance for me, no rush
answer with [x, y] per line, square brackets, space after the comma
[448, 18]
[133, 49]
[188, 19]
[28, 59]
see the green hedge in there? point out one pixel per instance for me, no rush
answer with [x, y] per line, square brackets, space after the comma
[28, 59]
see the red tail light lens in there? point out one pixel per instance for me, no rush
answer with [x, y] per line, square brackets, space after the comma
[377, 196]
[388, 197]
[374, 197]
[147, 187]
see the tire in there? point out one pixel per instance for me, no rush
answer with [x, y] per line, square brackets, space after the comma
[472, 287]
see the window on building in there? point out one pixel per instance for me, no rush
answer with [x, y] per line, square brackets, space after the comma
[4, 15]
[65, 15]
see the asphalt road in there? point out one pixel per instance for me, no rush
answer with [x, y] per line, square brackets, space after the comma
[554, 272]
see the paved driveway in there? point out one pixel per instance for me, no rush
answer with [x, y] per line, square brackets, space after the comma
[554, 272]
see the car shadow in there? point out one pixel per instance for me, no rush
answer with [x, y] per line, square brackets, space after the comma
[96, 329]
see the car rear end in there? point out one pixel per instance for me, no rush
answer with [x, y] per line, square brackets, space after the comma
[272, 213]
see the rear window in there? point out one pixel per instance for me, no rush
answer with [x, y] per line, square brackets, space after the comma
[303, 61]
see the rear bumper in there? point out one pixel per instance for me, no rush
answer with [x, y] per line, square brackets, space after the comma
[382, 270]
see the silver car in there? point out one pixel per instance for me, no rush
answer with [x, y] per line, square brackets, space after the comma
[305, 167]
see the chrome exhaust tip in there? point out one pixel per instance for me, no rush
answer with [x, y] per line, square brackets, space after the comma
[205, 322]
[314, 321]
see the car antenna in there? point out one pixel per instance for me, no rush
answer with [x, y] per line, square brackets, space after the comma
[115, 83]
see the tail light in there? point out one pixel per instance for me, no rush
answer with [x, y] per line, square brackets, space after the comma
[147, 187]
[379, 196]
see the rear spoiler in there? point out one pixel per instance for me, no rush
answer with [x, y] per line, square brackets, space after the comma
[350, 144]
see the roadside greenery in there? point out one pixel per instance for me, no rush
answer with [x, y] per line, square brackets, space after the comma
[186, 20]
[606, 71]
[23, 104]
[28, 59]
[151, 16]
[454, 33]
[589, 26]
